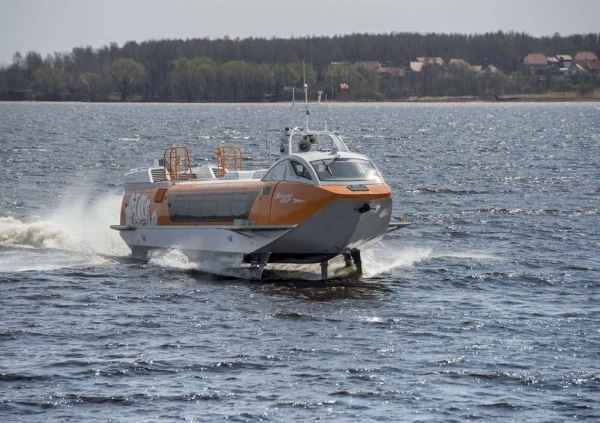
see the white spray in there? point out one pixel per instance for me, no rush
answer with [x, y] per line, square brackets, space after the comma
[76, 233]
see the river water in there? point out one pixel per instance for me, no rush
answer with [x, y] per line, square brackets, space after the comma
[487, 307]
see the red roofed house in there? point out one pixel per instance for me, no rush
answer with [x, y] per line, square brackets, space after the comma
[536, 62]
[562, 63]
[584, 68]
[564, 60]
[585, 55]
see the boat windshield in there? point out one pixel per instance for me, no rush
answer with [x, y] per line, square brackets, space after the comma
[341, 169]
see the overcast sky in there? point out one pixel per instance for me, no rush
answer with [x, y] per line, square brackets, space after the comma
[48, 26]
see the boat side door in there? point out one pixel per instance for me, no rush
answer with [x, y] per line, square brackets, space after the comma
[261, 211]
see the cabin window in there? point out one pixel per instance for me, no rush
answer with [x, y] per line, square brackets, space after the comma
[277, 173]
[200, 207]
[300, 170]
[340, 169]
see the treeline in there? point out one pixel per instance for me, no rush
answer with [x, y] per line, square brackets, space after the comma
[255, 69]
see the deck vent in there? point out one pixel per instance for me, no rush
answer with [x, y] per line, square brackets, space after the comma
[158, 174]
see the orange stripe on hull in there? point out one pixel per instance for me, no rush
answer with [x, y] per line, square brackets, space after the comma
[291, 203]
[278, 203]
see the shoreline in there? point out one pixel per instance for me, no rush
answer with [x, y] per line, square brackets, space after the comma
[520, 98]
[517, 98]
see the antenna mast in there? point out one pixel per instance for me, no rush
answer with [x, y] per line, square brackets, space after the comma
[320, 93]
[305, 95]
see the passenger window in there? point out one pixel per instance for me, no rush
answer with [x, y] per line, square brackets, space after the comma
[207, 207]
[277, 173]
[301, 170]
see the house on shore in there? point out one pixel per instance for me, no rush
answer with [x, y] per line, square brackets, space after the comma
[418, 64]
[561, 63]
[564, 60]
[377, 67]
[584, 67]
[585, 55]
[536, 63]
[584, 70]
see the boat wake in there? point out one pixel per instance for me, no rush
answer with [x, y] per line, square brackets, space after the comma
[379, 260]
[77, 234]
[387, 256]
[37, 234]
[172, 258]
[74, 234]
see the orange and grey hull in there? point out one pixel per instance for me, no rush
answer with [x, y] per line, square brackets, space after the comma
[239, 227]
[341, 226]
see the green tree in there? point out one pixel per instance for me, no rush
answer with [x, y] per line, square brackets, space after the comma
[190, 79]
[492, 84]
[246, 69]
[431, 75]
[92, 84]
[366, 85]
[285, 75]
[50, 84]
[32, 62]
[232, 76]
[128, 76]
[13, 83]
